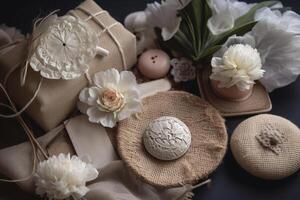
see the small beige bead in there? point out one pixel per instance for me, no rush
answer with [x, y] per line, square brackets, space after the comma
[154, 64]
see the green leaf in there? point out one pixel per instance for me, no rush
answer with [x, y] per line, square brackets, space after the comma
[191, 23]
[242, 25]
[220, 39]
[209, 51]
[249, 16]
[196, 16]
[207, 13]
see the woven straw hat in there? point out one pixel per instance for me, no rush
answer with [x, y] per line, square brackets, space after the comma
[209, 140]
[267, 146]
[258, 102]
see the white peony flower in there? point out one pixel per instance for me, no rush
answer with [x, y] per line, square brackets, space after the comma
[183, 69]
[113, 97]
[240, 65]
[278, 42]
[63, 176]
[224, 14]
[64, 48]
[165, 16]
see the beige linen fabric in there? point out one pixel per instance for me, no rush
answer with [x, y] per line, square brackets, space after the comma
[209, 140]
[267, 146]
[76, 136]
[79, 136]
[57, 98]
[116, 183]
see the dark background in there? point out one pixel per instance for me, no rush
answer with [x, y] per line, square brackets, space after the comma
[229, 181]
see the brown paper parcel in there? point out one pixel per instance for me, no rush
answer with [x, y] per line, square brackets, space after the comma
[57, 99]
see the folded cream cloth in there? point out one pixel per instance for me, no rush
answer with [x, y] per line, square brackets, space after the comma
[115, 182]
[79, 136]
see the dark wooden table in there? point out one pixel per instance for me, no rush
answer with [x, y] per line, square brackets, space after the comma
[229, 181]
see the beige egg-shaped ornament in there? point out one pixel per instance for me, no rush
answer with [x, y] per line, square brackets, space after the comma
[154, 64]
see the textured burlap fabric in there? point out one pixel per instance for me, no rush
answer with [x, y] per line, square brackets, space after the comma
[267, 146]
[209, 140]
[258, 102]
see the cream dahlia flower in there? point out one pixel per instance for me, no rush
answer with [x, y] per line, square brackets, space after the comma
[240, 65]
[63, 176]
[112, 97]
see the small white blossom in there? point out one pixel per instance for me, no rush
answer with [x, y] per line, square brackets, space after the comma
[240, 65]
[112, 97]
[63, 176]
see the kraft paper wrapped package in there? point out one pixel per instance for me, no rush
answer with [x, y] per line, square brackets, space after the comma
[56, 99]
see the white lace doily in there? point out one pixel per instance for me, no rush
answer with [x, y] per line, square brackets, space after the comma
[64, 48]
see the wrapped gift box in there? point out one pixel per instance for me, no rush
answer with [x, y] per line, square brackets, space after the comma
[56, 99]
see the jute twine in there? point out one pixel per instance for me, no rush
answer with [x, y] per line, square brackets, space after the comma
[209, 140]
[267, 146]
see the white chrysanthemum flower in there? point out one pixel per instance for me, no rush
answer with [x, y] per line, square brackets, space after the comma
[113, 97]
[224, 14]
[183, 69]
[240, 65]
[64, 48]
[63, 176]
[165, 16]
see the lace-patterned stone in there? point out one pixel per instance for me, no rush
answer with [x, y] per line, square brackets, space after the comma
[64, 48]
[167, 138]
[271, 138]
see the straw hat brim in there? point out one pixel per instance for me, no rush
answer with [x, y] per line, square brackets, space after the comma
[208, 147]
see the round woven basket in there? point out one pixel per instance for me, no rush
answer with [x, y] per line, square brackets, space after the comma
[209, 140]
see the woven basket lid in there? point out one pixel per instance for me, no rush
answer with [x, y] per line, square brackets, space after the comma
[208, 146]
[267, 146]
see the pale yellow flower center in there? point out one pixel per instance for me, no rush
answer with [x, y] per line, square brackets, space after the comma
[111, 100]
